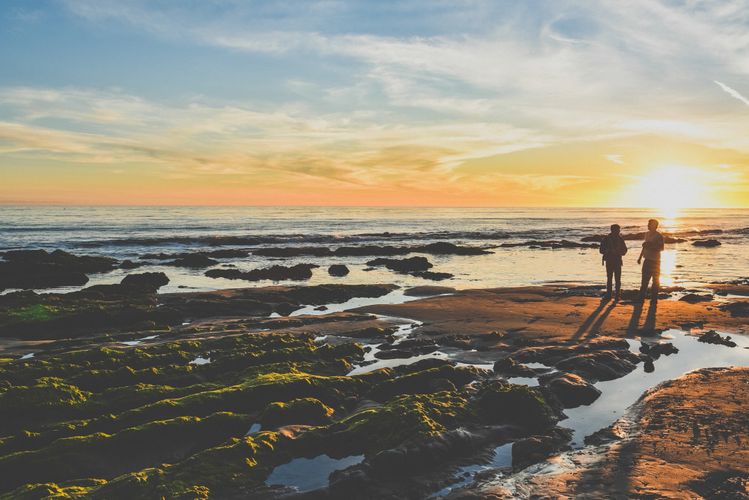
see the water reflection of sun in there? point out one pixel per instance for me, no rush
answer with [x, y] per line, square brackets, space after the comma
[668, 266]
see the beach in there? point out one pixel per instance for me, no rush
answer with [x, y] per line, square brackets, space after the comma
[469, 359]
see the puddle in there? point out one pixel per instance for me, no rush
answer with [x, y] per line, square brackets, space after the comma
[27, 356]
[394, 297]
[253, 429]
[307, 474]
[200, 361]
[529, 381]
[131, 342]
[501, 458]
[617, 395]
[150, 337]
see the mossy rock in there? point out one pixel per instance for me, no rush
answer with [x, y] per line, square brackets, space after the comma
[309, 411]
[48, 396]
[516, 404]
[401, 419]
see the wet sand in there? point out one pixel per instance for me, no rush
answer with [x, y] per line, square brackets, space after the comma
[556, 313]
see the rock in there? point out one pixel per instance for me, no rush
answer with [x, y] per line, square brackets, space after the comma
[429, 275]
[150, 281]
[508, 366]
[600, 365]
[553, 244]
[572, 390]
[28, 269]
[196, 261]
[737, 309]
[531, 450]
[409, 265]
[428, 290]
[298, 272]
[713, 337]
[129, 264]
[711, 243]
[308, 411]
[516, 404]
[445, 248]
[420, 382]
[338, 270]
[656, 350]
[693, 298]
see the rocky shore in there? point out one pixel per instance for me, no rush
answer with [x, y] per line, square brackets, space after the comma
[117, 391]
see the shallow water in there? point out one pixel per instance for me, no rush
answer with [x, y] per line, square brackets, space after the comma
[618, 395]
[307, 474]
[130, 232]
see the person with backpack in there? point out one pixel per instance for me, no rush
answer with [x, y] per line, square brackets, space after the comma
[612, 250]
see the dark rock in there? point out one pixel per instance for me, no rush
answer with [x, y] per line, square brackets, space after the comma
[196, 261]
[428, 290]
[600, 365]
[553, 244]
[309, 411]
[40, 269]
[706, 243]
[656, 350]
[572, 390]
[510, 367]
[409, 265]
[429, 275]
[420, 382]
[149, 281]
[338, 270]
[737, 309]
[129, 264]
[516, 404]
[713, 337]
[531, 450]
[275, 273]
[693, 298]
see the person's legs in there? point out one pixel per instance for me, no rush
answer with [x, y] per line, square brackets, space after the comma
[609, 276]
[618, 279]
[646, 270]
[656, 274]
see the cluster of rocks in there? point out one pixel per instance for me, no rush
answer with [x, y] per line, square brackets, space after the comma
[41, 269]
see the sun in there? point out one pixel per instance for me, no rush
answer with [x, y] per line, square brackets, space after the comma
[670, 189]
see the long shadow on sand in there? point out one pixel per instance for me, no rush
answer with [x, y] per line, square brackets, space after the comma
[594, 321]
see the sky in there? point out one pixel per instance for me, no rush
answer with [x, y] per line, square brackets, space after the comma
[415, 102]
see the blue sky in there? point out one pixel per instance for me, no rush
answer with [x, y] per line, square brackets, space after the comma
[424, 102]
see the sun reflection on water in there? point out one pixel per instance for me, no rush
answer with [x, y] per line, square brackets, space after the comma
[668, 266]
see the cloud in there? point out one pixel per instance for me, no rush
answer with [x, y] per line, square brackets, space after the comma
[733, 93]
[615, 158]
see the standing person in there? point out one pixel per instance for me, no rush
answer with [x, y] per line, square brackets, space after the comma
[651, 252]
[612, 250]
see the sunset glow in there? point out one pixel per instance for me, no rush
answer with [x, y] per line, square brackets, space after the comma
[369, 103]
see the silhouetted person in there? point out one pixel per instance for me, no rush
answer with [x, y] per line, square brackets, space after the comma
[612, 250]
[651, 252]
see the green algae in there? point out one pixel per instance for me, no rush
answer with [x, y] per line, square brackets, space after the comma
[297, 411]
[36, 312]
[404, 418]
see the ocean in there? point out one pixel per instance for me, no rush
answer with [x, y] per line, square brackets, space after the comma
[132, 232]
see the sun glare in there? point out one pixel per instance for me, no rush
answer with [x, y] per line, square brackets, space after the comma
[670, 189]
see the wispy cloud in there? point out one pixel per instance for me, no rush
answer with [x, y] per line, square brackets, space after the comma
[615, 158]
[733, 93]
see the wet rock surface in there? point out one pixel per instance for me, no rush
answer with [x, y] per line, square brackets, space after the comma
[135, 304]
[41, 269]
[298, 272]
[711, 243]
[338, 270]
[571, 390]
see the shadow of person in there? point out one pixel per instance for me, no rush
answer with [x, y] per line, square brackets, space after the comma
[595, 329]
[634, 321]
[590, 319]
[649, 327]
